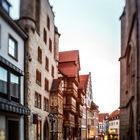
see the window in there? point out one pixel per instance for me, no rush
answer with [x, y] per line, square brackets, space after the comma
[45, 36]
[50, 45]
[46, 84]
[38, 77]
[52, 71]
[46, 104]
[39, 55]
[3, 80]
[37, 100]
[0, 36]
[14, 86]
[38, 130]
[48, 22]
[47, 64]
[37, 15]
[9, 84]
[12, 47]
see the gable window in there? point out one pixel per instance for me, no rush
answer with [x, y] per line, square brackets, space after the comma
[12, 47]
[45, 36]
[47, 64]
[46, 84]
[38, 77]
[48, 22]
[37, 100]
[39, 55]
[46, 104]
[50, 45]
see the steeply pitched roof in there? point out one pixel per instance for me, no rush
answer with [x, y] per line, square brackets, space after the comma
[68, 70]
[83, 81]
[69, 63]
[68, 56]
[102, 116]
[114, 114]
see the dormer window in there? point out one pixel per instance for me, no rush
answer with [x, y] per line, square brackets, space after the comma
[5, 5]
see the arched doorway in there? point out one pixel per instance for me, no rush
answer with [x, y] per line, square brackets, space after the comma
[46, 130]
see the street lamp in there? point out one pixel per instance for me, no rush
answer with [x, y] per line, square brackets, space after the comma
[52, 118]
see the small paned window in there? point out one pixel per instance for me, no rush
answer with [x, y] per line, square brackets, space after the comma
[39, 55]
[46, 104]
[47, 64]
[38, 77]
[48, 22]
[45, 36]
[3, 80]
[37, 100]
[46, 84]
[14, 86]
[12, 47]
[50, 45]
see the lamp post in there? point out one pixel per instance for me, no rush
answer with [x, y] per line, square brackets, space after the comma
[52, 118]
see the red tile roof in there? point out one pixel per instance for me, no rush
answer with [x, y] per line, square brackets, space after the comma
[102, 116]
[69, 56]
[68, 70]
[114, 114]
[69, 63]
[83, 81]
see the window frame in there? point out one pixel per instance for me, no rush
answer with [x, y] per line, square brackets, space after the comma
[39, 54]
[48, 22]
[46, 104]
[37, 104]
[47, 63]
[50, 45]
[46, 83]
[8, 94]
[45, 36]
[38, 77]
[16, 47]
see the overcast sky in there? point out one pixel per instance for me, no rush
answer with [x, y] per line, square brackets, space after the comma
[93, 27]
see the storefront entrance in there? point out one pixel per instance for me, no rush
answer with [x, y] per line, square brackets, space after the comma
[13, 130]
